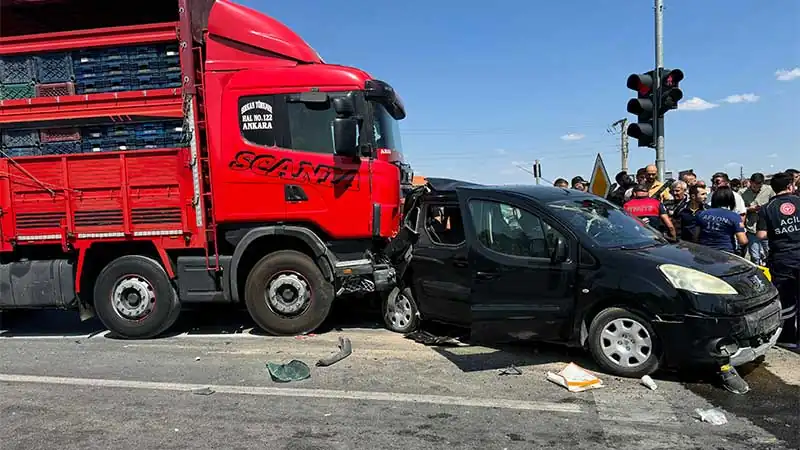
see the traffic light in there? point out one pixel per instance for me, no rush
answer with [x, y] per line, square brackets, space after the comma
[643, 107]
[670, 94]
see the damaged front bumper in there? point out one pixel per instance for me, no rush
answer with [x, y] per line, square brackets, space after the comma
[702, 340]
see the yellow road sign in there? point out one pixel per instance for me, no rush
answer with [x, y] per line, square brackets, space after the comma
[600, 183]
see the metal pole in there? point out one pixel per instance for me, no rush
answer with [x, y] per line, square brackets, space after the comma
[624, 144]
[537, 171]
[660, 160]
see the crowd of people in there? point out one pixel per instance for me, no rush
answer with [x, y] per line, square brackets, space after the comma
[752, 218]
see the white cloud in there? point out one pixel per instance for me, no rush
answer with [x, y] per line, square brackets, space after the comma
[509, 171]
[787, 75]
[500, 151]
[572, 137]
[772, 155]
[696, 104]
[733, 164]
[741, 98]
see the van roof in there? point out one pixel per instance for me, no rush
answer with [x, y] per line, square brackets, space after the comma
[545, 193]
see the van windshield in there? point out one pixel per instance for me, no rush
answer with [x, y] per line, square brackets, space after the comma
[604, 224]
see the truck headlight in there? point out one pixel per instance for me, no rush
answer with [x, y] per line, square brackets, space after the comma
[695, 281]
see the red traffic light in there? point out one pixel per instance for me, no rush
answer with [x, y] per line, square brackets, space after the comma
[641, 83]
[672, 78]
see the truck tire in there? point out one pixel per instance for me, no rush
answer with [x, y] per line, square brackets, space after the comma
[623, 343]
[286, 294]
[135, 299]
[400, 312]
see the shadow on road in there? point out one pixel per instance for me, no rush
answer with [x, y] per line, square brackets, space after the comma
[200, 320]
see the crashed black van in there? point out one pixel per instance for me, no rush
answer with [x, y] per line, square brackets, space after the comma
[559, 265]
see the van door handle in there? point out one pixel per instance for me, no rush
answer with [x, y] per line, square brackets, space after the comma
[486, 275]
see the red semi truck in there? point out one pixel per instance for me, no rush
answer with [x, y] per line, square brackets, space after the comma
[282, 193]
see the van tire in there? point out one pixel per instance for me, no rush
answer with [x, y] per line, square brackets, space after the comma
[403, 299]
[296, 273]
[634, 333]
[143, 278]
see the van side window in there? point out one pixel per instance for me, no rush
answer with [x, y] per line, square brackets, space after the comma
[512, 231]
[257, 119]
[444, 225]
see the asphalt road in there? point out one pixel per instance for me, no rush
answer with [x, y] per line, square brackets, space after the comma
[73, 387]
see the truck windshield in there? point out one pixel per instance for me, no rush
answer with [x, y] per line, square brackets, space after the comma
[387, 131]
[604, 224]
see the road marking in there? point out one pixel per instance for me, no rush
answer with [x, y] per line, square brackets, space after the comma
[295, 392]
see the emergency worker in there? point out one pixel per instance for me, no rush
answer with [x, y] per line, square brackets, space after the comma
[779, 221]
[649, 210]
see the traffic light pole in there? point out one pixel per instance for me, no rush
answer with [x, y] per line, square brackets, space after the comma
[659, 122]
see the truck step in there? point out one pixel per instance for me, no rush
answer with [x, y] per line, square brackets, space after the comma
[16, 70]
[17, 91]
[54, 67]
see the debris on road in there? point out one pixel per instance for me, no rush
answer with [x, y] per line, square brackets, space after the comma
[197, 358]
[203, 391]
[575, 378]
[647, 381]
[430, 339]
[712, 416]
[510, 370]
[294, 370]
[345, 349]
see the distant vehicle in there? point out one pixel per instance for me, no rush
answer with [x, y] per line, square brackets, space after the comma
[559, 265]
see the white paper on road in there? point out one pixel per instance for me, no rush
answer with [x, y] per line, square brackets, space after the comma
[575, 378]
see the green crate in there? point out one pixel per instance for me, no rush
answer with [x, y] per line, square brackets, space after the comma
[15, 91]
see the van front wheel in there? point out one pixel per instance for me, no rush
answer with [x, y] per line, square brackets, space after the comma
[623, 343]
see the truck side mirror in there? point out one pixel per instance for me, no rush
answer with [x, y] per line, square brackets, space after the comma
[345, 136]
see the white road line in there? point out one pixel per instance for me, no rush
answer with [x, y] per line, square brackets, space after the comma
[295, 392]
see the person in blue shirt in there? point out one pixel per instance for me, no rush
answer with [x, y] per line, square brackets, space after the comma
[686, 216]
[720, 227]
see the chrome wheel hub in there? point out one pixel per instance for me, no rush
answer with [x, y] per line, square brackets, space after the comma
[133, 297]
[288, 294]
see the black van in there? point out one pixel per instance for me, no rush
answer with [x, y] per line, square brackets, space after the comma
[560, 265]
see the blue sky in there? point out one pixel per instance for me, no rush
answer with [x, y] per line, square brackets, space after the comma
[494, 86]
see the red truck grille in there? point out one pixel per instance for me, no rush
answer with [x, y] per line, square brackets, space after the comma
[40, 220]
[109, 217]
[147, 216]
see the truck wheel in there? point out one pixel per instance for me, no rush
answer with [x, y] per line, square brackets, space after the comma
[135, 299]
[400, 312]
[286, 293]
[623, 343]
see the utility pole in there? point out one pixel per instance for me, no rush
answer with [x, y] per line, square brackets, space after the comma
[623, 145]
[741, 173]
[659, 122]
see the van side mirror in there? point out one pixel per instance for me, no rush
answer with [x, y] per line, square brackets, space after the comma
[345, 136]
[560, 252]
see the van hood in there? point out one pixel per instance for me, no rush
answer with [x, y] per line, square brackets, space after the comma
[698, 257]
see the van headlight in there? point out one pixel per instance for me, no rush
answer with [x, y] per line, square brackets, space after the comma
[695, 281]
